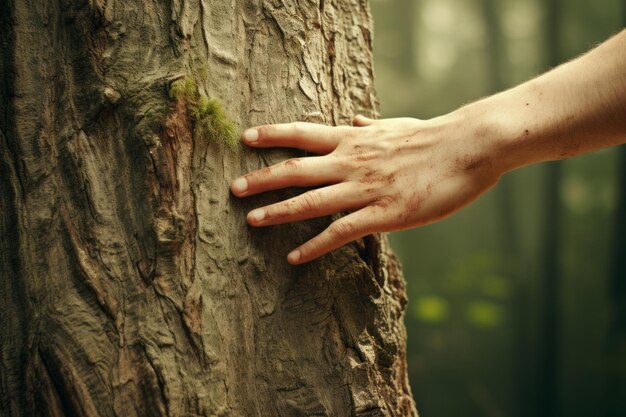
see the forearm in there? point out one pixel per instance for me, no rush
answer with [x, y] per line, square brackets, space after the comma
[577, 107]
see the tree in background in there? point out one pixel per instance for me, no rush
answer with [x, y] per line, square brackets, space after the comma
[616, 342]
[449, 264]
[547, 388]
[616, 384]
[130, 283]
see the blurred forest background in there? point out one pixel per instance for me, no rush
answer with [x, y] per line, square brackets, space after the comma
[518, 303]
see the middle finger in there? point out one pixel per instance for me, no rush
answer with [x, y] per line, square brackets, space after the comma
[296, 172]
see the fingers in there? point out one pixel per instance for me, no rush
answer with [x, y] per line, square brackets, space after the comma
[340, 232]
[311, 137]
[296, 172]
[361, 121]
[315, 203]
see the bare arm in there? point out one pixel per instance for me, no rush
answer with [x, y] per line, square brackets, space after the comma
[576, 108]
[397, 174]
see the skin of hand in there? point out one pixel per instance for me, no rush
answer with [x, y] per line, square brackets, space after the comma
[397, 174]
[390, 174]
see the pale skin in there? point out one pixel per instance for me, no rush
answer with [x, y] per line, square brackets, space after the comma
[397, 174]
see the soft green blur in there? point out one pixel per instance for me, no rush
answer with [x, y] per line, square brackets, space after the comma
[483, 340]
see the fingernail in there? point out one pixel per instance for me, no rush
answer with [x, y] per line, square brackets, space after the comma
[240, 185]
[293, 257]
[257, 215]
[251, 135]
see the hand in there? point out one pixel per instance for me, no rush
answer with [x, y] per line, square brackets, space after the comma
[389, 174]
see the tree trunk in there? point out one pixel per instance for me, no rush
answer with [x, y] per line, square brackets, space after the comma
[548, 384]
[616, 337]
[130, 282]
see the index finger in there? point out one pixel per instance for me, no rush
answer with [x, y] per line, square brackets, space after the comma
[311, 137]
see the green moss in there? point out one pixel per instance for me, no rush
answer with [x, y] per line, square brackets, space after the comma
[183, 89]
[209, 120]
[203, 71]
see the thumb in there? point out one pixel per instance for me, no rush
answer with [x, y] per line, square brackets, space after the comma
[361, 121]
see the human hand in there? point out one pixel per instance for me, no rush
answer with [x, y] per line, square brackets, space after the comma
[390, 174]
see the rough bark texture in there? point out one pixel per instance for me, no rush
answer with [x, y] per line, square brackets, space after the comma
[130, 282]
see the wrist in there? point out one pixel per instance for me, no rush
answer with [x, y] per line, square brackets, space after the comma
[502, 131]
[483, 137]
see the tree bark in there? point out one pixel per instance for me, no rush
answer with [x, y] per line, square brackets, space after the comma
[130, 282]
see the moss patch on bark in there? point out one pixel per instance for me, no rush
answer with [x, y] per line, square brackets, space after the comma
[207, 115]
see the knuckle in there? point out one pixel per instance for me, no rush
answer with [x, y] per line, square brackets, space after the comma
[309, 202]
[342, 229]
[385, 201]
[346, 163]
[291, 165]
[277, 211]
[298, 127]
[352, 133]
[346, 135]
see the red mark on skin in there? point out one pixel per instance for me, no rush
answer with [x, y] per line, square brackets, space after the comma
[368, 192]
[468, 163]
[364, 157]
[293, 161]
[368, 177]
[263, 172]
[416, 200]
[384, 201]
[474, 165]
[525, 133]
[471, 163]
[481, 131]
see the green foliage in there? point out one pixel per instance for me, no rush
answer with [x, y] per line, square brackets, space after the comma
[495, 286]
[484, 314]
[209, 120]
[431, 309]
